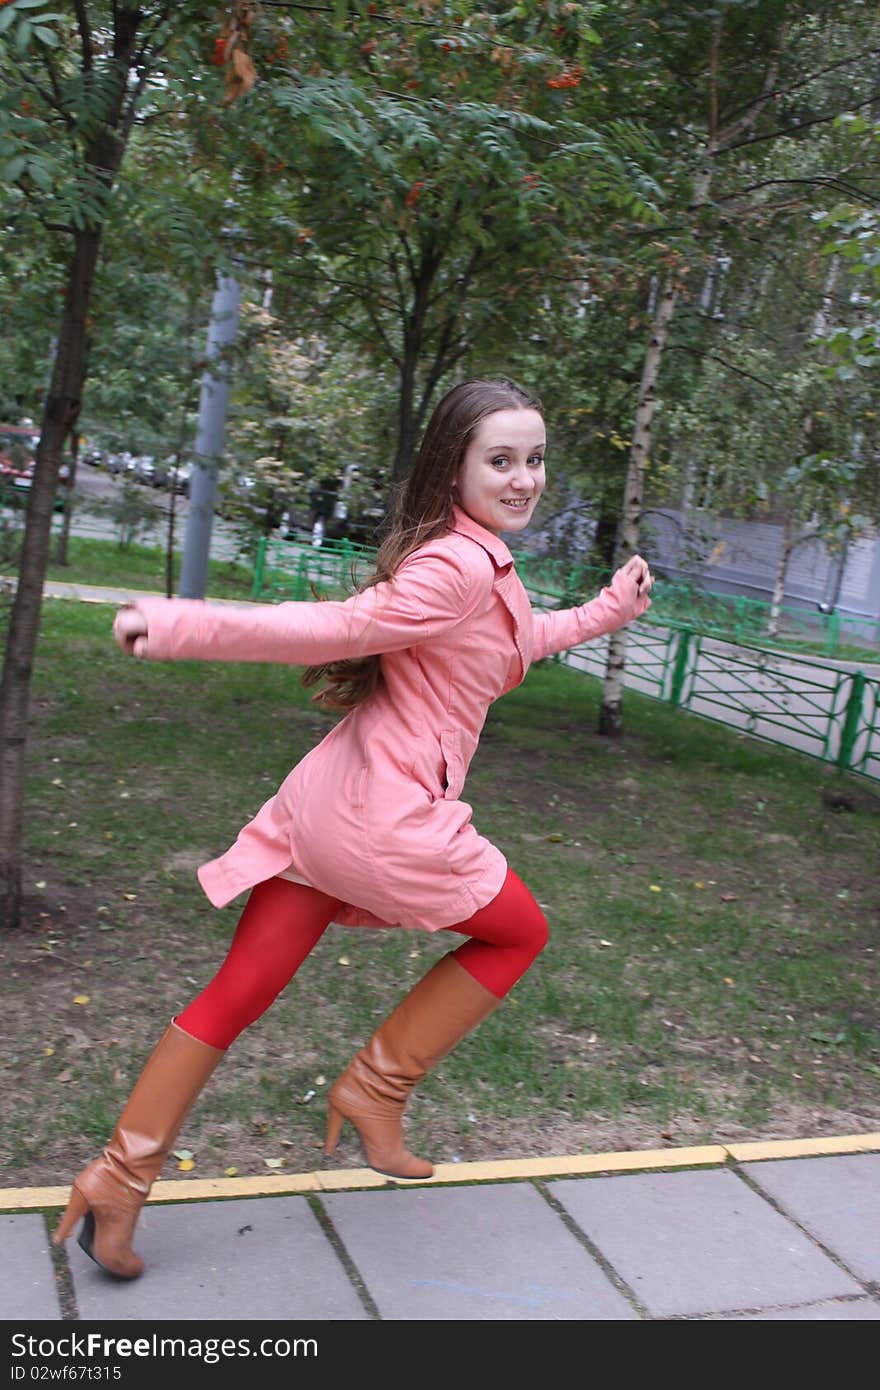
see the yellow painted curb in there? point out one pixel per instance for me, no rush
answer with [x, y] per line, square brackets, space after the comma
[802, 1148]
[446, 1174]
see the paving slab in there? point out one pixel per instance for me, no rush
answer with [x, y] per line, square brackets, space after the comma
[846, 1310]
[692, 1243]
[495, 1253]
[27, 1278]
[245, 1260]
[836, 1199]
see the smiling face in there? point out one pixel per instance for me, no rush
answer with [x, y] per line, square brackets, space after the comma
[502, 475]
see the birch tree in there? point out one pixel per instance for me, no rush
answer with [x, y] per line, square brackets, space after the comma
[724, 129]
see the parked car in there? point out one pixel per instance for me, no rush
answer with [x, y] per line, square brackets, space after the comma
[143, 469]
[179, 477]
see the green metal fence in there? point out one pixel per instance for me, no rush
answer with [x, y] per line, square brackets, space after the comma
[281, 568]
[825, 710]
[287, 570]
[705, 665]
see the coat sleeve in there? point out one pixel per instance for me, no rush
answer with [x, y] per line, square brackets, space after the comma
[616, 606]
[433, 590]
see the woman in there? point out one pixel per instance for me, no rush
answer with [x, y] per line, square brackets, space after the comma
[368, 829]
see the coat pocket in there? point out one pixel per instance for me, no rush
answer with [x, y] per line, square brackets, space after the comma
[450, 745]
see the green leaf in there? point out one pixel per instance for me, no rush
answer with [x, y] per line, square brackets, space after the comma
[41, 176]
[15, 168]
[47, 36]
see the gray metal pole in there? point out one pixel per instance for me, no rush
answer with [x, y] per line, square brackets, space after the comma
[210, 437]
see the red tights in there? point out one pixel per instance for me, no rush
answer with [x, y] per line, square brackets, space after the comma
[283, 921]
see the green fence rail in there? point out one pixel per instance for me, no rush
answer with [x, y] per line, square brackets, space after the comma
[706, 666]
[281, 568]
[820, 709]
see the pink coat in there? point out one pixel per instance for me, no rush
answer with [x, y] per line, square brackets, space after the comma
[372, 815]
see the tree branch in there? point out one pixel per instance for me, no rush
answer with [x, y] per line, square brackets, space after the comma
[85, 34]
[805, 81]
[329, 9]
[823, 180]
[748, 120]
[804, 125]
[695, 352]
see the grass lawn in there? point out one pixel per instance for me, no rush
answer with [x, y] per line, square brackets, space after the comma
[712, 972]
[103, 563]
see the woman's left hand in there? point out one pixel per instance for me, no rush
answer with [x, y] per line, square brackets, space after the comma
[636, 568]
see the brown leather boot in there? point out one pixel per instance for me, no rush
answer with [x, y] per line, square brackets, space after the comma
[372, 1092]
[110, 1192]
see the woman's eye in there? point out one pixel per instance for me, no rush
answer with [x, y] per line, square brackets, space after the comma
[500, 461]
[537, 460]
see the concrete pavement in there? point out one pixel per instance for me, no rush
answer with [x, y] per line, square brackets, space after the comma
[765, 1231]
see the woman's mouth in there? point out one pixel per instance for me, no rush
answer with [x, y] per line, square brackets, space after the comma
[518, 503]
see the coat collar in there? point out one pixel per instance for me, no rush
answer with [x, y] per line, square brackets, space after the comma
[466, 526]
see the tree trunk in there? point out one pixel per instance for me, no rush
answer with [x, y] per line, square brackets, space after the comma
[611, 708]
[422, 274]
[59, 418]
[781, 573]
[102, 159]
[64, 534]
[604, 546]
[406, 415]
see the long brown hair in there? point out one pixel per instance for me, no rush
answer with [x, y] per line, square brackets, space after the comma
[421, 511]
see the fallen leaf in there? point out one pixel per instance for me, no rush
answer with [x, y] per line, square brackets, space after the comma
[555, 839]
[129, 897]
[344, 960]
[274, 1162]
[186, 1165]
[80, 999]
[63, 1076]
[655, 888]
[230, 1172]
[48, 1052]
[603, 942]
[728, 898]
[320, 1081]
[699, 885]
[41, 884]
[728, 980]
[183, 1154]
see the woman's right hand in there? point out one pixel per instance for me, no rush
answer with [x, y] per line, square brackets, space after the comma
[130, 631]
